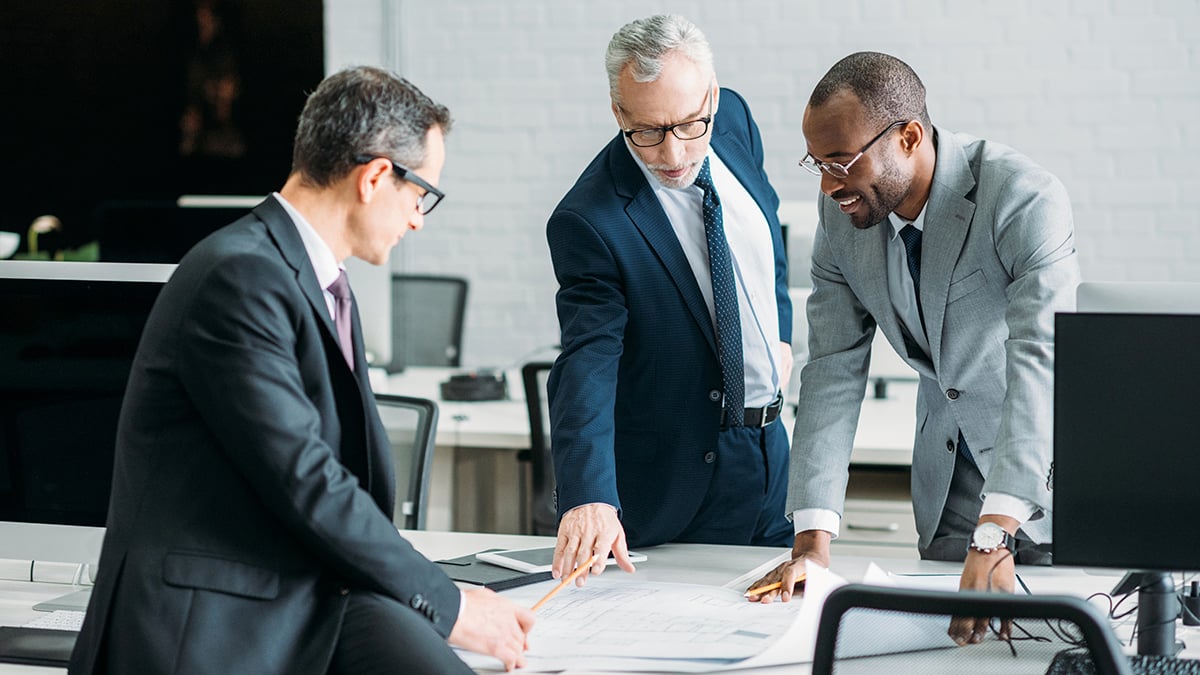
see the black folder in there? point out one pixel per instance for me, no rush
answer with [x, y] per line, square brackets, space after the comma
[469, 570]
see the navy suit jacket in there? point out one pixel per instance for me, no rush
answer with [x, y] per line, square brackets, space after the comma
[635, 394]
[253, 485]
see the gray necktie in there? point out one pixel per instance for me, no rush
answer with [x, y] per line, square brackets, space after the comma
[340, 288]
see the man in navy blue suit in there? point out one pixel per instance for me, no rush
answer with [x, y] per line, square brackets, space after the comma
[675, 317]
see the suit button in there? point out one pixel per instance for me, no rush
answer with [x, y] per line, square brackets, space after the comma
[714, 395]
[418, 602]
[950, 446]
[952, 394]
[710, 457]
[343, 590]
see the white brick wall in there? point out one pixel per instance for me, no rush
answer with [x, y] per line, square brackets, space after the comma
[1105, 93]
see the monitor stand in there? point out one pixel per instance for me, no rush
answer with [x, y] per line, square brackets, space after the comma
[76, 602]
[1158, 608]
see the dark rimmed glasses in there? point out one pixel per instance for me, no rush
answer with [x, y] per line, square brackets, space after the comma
[838, 170]
[684, 131]
[427, 201]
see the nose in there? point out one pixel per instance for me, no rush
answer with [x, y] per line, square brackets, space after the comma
[417, 220]
[830, 183]
[672, 151]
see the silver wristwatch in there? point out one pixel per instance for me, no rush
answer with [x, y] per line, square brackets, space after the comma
[988, 537]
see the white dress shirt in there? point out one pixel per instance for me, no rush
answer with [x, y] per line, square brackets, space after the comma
[753, 255]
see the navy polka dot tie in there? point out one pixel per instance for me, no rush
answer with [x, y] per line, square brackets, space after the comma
[725, 302]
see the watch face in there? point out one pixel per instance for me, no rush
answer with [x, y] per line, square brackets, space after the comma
[988, 535]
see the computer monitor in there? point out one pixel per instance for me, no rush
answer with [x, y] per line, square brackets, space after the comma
[163, 230]
[1127, 442]
[68, 334]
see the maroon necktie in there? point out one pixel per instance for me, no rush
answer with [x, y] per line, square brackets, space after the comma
[341, 315]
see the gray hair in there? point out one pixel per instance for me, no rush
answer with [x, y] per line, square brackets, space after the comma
[887, 87]
[363, 111]
[644, 44]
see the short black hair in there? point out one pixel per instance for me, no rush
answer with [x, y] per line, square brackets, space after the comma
[887, 87]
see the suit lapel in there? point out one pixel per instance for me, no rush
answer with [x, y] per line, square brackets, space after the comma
[291, 247]
[381, 473]
[947, 221]
[376, 457]
[648, 216]
[739, 162]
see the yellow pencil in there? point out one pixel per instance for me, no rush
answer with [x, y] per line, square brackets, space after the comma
[566, 580]
[769, 587]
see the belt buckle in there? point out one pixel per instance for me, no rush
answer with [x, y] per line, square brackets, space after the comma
[777, 404]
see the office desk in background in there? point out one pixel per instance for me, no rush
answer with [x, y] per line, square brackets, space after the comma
[478, 485]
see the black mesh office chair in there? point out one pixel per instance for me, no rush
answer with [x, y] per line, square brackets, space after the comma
[543, 514]
[856, 617]
[427, 320]
[411, 425]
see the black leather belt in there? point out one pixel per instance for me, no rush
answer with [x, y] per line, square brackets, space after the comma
[759, 417]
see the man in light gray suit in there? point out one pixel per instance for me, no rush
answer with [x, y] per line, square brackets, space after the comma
[960, 250]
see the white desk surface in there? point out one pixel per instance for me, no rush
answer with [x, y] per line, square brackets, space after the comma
[884, 436]
[697, 563]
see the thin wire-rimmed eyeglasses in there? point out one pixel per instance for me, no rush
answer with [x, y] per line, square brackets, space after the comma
[684, 131]
[837, 170]
[427, 201]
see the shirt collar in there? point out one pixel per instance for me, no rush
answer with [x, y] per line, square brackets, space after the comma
[896, 223]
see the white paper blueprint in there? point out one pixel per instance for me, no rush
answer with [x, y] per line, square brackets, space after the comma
[616, 624]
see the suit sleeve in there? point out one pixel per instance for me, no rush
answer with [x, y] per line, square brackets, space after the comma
[239, 364]
[1034, 236]
[583, 383]
[832, 384]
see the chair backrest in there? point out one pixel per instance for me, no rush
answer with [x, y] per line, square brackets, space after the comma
[427, 320]
[855, 617]
[411, 425]
[542, 511]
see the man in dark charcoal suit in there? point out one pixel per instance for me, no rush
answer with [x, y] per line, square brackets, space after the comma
[249, 529]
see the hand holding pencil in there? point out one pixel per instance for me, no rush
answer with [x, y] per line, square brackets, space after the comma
[563, 584]
[786, 579]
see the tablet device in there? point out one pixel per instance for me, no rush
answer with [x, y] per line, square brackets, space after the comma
[535, 559]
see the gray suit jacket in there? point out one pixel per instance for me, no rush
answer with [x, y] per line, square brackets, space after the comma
[998, 261]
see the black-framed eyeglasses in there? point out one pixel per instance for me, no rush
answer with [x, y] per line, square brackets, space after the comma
[837, 170]
[427, 201]
[684, 131]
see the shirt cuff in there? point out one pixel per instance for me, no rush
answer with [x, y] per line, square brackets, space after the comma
[592, 503]
[1003, 504]
[816, 519]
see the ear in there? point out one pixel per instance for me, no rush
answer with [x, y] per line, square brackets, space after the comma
[716, 94]
[369, 178]
[617, 115]
[911, 136]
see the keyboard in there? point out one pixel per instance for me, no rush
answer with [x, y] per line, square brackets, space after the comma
[1080, 663]
[59, 619]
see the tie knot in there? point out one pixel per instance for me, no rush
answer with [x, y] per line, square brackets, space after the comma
[704, 178]
[340, 286]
